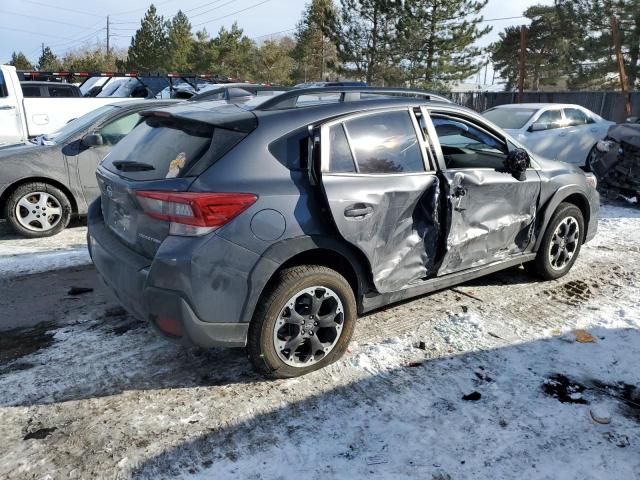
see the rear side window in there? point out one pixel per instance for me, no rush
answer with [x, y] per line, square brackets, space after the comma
[170, 148]
[59, 91]
[31, 90]
[340, 158]
[385, 143]
[3, 86]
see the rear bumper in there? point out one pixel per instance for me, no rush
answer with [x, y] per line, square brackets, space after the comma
[127, 275]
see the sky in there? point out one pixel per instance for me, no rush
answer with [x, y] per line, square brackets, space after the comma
[70, 24]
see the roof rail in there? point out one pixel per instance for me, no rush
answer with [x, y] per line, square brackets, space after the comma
[347, 94]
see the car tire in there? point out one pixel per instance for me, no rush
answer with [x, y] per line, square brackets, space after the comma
[560, 244]
[590, 156]
[48, 213]
[287, 308]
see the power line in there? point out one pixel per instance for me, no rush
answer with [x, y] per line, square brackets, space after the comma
[232, 13]
[62, 8]
[503, 18]
[273, 33]
[211, 9]
[139, 8]
[33, 33]
[44, 19]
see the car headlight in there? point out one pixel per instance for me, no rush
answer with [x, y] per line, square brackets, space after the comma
[604, 146]
[592, 180]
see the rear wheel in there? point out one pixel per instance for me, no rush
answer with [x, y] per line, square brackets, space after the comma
[303, 323]
[560, 244]
[37, 210]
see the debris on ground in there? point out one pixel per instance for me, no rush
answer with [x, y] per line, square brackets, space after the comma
[472, 397]
[582, 336]
[79, 290]
[600, 415]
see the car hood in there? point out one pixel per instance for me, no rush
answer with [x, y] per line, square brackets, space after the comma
[26, 150]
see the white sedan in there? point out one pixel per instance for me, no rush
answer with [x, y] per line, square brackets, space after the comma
[554, 131]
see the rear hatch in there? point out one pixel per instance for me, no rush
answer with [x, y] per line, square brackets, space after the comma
[164, 153]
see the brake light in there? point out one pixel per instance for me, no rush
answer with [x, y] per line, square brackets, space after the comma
[194, 213]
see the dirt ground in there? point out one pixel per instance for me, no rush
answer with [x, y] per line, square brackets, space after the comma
[88, 392]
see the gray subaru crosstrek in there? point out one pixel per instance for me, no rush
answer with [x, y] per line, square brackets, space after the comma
[273, 225]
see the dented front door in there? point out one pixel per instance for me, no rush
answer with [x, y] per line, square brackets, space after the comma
[383, 194]
[490, 214]
[491, 217]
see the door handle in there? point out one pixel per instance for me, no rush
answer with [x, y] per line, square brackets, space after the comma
[358, 210]
[7, 107]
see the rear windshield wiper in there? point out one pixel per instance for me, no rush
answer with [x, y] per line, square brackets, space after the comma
[132, 166]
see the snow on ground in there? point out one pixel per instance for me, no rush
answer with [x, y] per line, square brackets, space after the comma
[21, 256]
[105, 398]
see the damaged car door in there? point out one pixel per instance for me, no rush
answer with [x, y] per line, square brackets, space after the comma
[383, 193]
[491, 209]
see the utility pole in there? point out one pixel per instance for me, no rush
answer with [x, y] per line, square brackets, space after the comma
[108, 35]
[42, 49]
[523, 65]
[624, 80]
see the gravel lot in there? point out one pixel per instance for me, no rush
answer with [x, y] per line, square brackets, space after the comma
[88, 392]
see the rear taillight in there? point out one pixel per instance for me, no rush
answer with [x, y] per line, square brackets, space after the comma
[194, 213]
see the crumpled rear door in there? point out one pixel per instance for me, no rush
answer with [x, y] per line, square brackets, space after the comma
[383, 194]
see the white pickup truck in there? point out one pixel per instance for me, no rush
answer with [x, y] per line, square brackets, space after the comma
[22, 118]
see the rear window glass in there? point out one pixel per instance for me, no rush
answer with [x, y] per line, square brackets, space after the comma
[167, 148]
[510, 118]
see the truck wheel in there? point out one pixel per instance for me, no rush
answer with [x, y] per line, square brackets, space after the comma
[303, 322]
[37, 210]
[560, 244]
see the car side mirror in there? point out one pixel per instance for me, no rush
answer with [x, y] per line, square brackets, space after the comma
[92, 140]
[538, 127]
[517, 162]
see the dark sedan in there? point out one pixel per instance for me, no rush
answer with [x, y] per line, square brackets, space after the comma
[45, 183]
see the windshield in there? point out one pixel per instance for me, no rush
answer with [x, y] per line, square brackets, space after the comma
[80, 123]
[118, 87]
[510, 118]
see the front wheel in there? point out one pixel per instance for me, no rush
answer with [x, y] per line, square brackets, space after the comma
[303, 322]
[37, 210]
[560, 244]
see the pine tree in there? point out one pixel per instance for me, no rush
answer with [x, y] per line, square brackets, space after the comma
[148, 50]
[314, 51]
[550, 44]
[180, 43]
[594, 56]
[234, 52]
[20, 61]
[48, 61]
[365, 38]
[273, 61]
[204, 54]
[438, 40]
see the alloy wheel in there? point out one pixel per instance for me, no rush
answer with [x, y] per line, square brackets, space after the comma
[38, 211]
[564, 243]
[308, 326]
